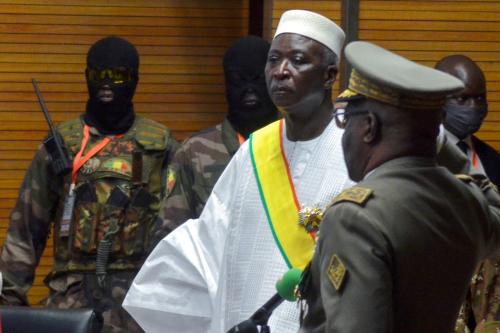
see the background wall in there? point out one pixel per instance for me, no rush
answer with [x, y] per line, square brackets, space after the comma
[181, 43]
[426, 31]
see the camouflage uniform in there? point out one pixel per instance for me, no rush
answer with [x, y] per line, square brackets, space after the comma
[194, 170]
[107, 207]
[482, 305]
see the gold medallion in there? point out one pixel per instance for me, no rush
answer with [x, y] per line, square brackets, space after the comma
[310, 218]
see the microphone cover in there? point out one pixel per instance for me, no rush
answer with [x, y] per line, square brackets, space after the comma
[287, 284]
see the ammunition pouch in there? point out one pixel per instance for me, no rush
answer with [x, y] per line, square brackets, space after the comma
[106, 197]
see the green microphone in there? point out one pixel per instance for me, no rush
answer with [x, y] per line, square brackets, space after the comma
[288, 283]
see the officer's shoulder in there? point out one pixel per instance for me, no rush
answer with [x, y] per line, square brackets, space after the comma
[70, 126]
[207, 132]
[208, 136]
[151, 134]
[357, 194]
[71, 132]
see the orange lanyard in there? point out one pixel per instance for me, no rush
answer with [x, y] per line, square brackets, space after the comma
[474, 158]
[241, 140]
[79, 161]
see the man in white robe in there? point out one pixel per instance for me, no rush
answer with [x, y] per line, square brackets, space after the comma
[214, 272]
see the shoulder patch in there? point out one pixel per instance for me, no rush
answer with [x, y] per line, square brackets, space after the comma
[356, 194]
[336, 272]
[171, 177]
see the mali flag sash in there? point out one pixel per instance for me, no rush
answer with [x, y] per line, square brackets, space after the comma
[277, 193]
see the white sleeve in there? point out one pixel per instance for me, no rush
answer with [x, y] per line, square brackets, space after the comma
[176, 287]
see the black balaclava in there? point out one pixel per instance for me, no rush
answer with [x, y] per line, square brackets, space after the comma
[117, 116]
[250, 106]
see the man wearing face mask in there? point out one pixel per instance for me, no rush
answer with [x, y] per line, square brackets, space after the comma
[102, 212]
[201, 159]
[464, 114]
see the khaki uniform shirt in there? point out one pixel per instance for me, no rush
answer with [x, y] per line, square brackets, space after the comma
[396, 252]
[195, 169]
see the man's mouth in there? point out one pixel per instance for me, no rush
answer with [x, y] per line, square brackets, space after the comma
[250, 99]
[106, 95]
[281, 90]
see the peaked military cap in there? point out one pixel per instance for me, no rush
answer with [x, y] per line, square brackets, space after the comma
[385, 76]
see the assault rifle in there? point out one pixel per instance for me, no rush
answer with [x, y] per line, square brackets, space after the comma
[53, 143]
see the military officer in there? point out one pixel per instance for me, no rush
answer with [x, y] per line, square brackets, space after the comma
[102, 213]
[395, 253]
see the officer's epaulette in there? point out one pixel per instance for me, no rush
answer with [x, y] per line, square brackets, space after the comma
[356, 194]
[464, 178]
[151, 135]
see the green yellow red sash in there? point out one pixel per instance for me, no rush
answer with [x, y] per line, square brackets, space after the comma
[278, 195]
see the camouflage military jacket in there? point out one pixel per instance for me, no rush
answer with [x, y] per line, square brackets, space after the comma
[108, 206]
[481, 311]
[195, 169]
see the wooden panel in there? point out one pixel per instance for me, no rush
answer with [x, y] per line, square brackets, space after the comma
[328, 8]
[426, 31]
[180, 42]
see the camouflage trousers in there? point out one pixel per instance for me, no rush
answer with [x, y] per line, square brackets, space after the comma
[71, 291]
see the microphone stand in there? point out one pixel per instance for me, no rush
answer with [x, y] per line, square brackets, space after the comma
[286, 290]
[259, 318]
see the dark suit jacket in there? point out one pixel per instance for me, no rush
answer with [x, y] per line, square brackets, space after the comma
[490, 159]
[409, 252]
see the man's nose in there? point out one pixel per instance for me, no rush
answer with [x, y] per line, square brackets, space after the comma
[282, 72]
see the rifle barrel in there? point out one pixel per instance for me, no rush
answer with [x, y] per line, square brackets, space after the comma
[42, 105]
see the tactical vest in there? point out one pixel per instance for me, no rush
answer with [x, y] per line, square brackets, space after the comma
[107, 203]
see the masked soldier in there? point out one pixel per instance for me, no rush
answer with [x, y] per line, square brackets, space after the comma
[103, 211]
[201, 159]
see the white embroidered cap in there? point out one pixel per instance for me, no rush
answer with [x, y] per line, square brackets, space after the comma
[314, 26]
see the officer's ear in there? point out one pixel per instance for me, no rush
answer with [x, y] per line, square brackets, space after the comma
[330, 76]
[371, 128]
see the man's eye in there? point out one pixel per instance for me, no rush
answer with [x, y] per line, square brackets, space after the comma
[272, 59]
[299, 60]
